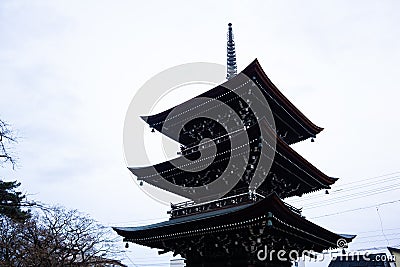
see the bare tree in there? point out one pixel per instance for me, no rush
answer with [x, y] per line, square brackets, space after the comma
[7, 140]
[57, 237]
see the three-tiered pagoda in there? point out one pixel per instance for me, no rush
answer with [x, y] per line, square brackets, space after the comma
[230, 226]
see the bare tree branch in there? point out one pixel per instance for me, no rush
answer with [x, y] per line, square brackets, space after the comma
[7, 140]
[55, 236]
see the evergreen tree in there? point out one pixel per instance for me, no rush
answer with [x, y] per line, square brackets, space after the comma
[11, 201]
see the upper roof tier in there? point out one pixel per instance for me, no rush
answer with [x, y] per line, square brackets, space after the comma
[291, 124]
[289, 120]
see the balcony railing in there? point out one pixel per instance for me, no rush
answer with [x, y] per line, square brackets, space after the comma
[190, 207]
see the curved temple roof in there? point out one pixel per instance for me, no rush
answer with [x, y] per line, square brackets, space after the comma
[270, 214]
[290, 121]
[288, 167]
[291, 115]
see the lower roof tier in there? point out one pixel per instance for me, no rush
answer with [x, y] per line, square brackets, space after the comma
[238, 231]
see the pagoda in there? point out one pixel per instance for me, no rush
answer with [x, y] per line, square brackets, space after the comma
[246, 214]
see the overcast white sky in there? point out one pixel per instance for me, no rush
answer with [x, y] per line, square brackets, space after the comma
[68, 70]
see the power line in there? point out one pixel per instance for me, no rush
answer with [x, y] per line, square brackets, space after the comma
[374, 231]
[340, 191]
[317, 204]
[346, 198]
[375, 190]
[374, 248]
[345, 191]
[367, 184]
[369, 236]
[371, 178]
[370, 241]
[362, 208]
[130, 259]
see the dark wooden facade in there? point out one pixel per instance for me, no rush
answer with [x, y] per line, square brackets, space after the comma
[230, 231]
[290, 175]
[233, 236]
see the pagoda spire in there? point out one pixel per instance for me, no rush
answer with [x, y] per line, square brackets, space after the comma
[231, 66]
